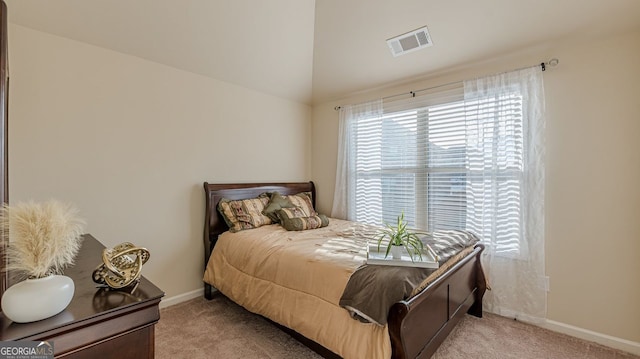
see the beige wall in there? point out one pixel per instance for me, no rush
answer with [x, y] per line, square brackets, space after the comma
[130, 142]
[593, 171]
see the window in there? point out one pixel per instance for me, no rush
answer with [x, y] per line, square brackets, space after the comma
[467, 156]
[447, 163]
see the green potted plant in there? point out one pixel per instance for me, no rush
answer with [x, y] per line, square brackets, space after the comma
[400, 236]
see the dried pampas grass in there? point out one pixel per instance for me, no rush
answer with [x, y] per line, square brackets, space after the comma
[43, 237]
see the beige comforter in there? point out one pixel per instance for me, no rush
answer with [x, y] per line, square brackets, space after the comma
[296, 279]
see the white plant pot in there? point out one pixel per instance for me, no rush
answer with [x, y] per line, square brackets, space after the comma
[396, 252]
[36, 299]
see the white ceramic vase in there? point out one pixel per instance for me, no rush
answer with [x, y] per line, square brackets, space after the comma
[36, 299]
[396, 252]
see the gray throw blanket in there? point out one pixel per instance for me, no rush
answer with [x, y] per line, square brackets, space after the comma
[373, 289]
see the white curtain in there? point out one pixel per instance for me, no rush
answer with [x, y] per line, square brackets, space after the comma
[344, 192]
[514, 255]
[483, 169]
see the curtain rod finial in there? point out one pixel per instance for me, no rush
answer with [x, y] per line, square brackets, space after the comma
[552, 63]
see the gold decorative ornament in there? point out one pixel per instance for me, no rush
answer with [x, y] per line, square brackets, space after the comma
[122, 266]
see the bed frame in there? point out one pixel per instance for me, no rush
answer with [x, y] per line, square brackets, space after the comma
[417, 326]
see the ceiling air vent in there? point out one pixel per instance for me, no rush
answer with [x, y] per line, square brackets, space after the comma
[411, 41]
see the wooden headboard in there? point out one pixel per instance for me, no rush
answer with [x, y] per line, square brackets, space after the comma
[214, 224]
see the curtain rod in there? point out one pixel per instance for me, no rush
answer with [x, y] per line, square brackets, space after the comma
[552, 63]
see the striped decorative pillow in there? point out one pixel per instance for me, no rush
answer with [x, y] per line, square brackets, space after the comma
[295, 219]
[303, 200]
[244, 214]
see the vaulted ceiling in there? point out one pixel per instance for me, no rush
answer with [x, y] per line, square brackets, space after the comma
[312, 51]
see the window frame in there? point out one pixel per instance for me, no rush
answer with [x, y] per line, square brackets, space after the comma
[422, 170]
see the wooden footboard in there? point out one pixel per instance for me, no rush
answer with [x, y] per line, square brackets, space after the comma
[417, 326]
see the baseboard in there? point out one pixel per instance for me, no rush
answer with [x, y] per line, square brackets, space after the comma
[176, 299]
[604, 339]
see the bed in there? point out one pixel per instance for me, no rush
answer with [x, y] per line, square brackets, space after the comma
[415, 327]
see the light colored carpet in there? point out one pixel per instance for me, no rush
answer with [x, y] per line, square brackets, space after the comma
[221, 329]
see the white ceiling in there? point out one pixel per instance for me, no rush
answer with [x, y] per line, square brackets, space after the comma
[252, 43]
[276, 47]
[350, 53]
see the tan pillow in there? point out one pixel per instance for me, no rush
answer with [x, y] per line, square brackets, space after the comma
[295, 219]
[303, 200]
[244, 214]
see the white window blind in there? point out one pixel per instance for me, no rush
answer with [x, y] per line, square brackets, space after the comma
[444, 162]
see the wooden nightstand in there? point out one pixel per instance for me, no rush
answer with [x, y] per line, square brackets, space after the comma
[98, 323]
